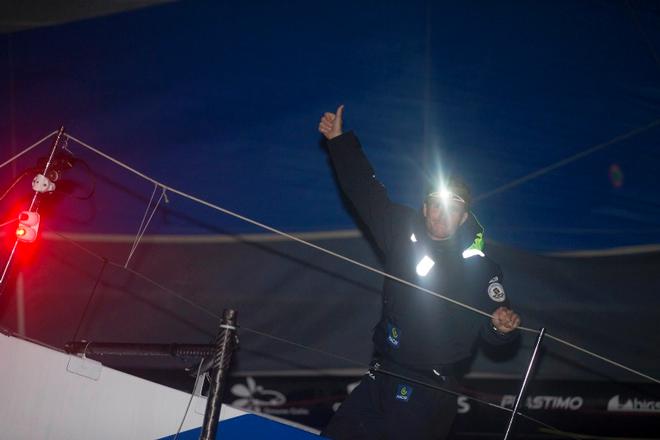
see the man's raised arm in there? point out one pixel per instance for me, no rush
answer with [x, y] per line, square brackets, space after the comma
[357, 179]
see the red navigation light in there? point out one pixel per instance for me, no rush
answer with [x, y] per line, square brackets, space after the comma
[28, 226]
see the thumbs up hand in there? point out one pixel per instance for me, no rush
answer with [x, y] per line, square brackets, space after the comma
[331, 123]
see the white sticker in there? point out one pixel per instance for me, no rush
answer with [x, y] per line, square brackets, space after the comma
[496, 292]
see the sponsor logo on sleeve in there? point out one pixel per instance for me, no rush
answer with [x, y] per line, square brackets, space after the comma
[496, 292]
[393, 336]
[403, 392]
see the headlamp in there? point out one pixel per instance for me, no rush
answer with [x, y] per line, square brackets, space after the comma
[447, 196]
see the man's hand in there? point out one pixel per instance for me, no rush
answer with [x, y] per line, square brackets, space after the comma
[505, 320]
[330, 125]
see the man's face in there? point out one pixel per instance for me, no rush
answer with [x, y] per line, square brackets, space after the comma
[443, 218]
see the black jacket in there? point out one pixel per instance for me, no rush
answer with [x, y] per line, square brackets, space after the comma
[419, 331]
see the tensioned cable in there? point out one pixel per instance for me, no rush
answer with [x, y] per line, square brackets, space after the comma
[144, 217]
[139, 275]
[299, 345]
[8, 222]
[146, 225]
[18, 179]
[484, 402]
[279, 232]
[141, 230]
[602, 358]
[10, 160]
[192, 395]
[350, 260]
[202, 309]
[305, 347]
[566, 161]
[92, 294]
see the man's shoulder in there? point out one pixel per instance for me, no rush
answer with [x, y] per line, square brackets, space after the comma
[483, 265]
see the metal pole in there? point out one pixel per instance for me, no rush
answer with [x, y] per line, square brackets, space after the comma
[32, 204]
[225, 344]
[138, 349]
[521, 395]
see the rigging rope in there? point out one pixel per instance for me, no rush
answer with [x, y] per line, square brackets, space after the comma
[566, 161]
[357, 263]
[166, 188]
[36, 144]
[303, 346]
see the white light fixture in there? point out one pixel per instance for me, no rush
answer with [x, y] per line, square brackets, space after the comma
[42, 184]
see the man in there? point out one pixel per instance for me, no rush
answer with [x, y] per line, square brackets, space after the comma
[419, 337]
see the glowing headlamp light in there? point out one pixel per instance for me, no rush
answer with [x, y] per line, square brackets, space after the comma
[447, 196]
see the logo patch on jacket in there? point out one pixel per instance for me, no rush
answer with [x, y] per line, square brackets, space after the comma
[393, 335]
[496, 292]
[403, 392]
